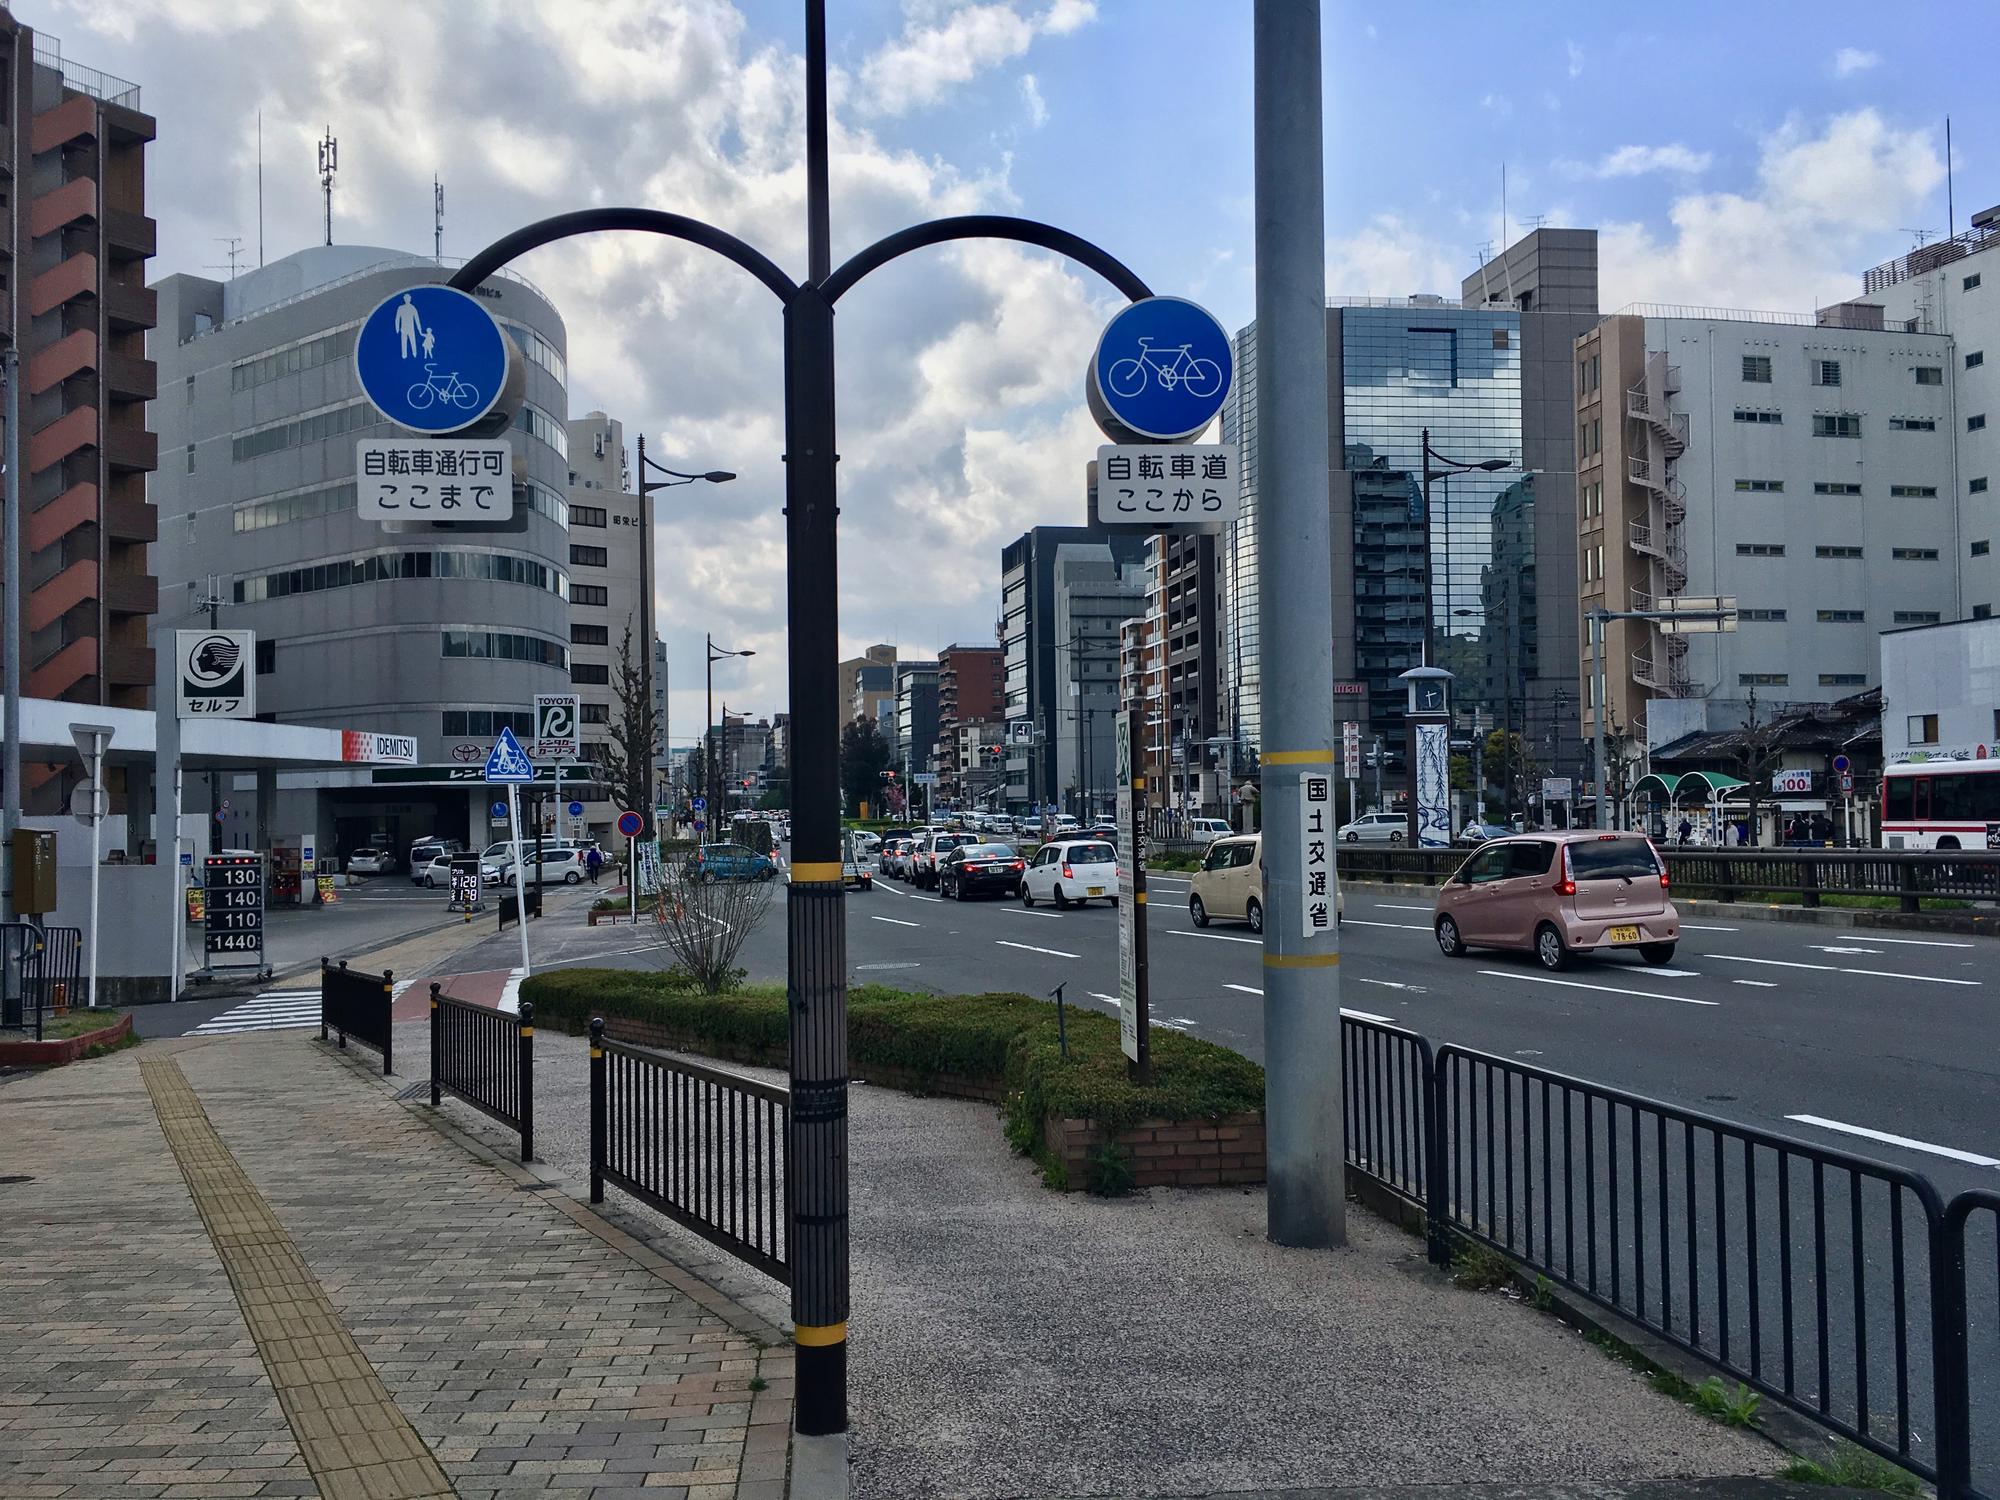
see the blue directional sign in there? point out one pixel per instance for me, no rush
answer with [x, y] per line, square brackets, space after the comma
[576, 809]
[509, 762]
[1163, 368]
[431, 358]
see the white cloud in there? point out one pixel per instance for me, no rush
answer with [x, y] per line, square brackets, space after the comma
[1031, 99]
[1636, 161]
[1793, 241]
[1575, 54]
[1851, 60]
[939, 49]
[1390, 258]
[1500, 104]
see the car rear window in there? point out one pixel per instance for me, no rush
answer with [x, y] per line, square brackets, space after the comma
[1611, 859]
[1092, 854]
[989, 851]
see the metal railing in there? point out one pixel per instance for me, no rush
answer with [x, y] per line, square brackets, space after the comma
[358, 1005]
[704, 1146]
[486, 1058]
[39, 967]
[1842, 1287]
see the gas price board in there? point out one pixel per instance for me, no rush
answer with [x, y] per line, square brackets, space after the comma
[233, 911]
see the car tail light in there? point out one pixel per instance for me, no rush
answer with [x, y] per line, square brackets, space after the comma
[1567, 885]
[1068, 873]
[1663, 880]
[1019, 865]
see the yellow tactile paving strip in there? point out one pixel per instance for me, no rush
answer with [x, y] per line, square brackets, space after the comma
[355, 1440]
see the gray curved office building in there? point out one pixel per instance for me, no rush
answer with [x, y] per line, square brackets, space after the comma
[441, 631]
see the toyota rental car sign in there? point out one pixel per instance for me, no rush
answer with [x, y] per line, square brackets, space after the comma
[218, 673]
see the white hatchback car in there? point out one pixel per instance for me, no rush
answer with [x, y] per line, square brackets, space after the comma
[1071, 870]
[1376, 828]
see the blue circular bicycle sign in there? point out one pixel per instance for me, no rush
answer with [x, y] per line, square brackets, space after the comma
[431, 358]
[1163, 368]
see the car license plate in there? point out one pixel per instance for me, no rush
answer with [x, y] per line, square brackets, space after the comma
[1623, 935]
[1097, 890]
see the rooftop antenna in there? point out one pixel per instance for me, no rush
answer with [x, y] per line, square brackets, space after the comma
[329, 163]
[1921, 236]
[1503, 204]
[1535, 221]
[260, 187]
[1950, 208]
[437, 218]
[230, 255]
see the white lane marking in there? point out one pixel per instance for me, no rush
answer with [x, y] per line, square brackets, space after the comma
[1031, 948]
[1762, 984]
[1674, 973]
[1608, 989]
[1781, 963]
[896, 921]
[1152, 880]
[1216, 937]
[1393, 984]
[1404, 926]
[1697, 927]
[1909, 942]
[883, 883]
[938, 899]
[1177, 1023]
[1831, 948]
[1022, 911]
[1972, 1157]
[1248, 989]
[1358, 1015]
[1107, 999]
[1394, 906]
[591, 958]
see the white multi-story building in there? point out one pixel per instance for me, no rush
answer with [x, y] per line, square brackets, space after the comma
[1805, 468]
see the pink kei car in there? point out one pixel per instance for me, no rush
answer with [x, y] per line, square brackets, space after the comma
[1559, 893]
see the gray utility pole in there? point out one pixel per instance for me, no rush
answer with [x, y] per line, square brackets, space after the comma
[1305, 1148]
[11, 796]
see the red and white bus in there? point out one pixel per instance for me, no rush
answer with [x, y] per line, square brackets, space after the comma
[1941, 804]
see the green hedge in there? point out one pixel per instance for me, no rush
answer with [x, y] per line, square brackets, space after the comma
[1005, 1039]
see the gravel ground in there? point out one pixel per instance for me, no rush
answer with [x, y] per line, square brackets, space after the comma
[1011, 1341]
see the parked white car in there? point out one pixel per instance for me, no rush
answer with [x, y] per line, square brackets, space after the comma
[1071, 870]
[371, 862]
[1208, 830]
[1375, 828]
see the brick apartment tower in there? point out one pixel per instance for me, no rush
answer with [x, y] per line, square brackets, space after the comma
[74, 242]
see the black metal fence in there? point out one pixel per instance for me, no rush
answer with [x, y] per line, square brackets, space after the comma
[39, 973]
[485, 1057]
[1840, 1286]
[358, 1005]
[1725, 874]
[704, 1146]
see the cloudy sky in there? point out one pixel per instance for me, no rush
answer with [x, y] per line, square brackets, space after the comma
[1730, 155]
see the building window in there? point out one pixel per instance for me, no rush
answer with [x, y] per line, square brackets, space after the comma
[1756, 370]
[1503, 338]
[267, 657]
[190, 458]
[1836, 552]
[1974, 424]
[1762, 679]
[1760, 549]
[1913, 491]
[585, 674]
[299, 505]
[532, 420]
[1843, 424]
[1977, 486]
[590, 593]
[1982, 611]
[1928, 374]
[1917, 617]
[1825, 371]
[1758, 414]
[1975, 359]
[322, 349]
[1912, 554]
[296, 433]
[377, 567]
[589, 635]
[1981, 549]
[1913, 424]
[1970, 283]
[1842, 616]
[505, 645]
[457, 723]
[1761, 486]
[1761, 616]
[588, 557]
[1825, 488]
[596, 713]
[1921, 729]
[588, 515]
[1842, 679]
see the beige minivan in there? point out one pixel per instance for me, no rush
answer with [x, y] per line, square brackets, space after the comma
[1230, 884]
[1556, 894]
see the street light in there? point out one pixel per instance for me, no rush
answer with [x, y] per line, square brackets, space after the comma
[674, 478]
[714, 763]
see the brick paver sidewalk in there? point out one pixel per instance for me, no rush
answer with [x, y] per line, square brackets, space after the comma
[413, 1306]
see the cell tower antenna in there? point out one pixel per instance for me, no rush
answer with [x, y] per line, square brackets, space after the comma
[329, 163]
[437, 218]
[231, 255]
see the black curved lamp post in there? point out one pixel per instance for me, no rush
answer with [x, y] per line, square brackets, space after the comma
[816, 1155]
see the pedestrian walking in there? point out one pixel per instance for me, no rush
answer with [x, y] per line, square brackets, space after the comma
[594, 862]
[1686, 829]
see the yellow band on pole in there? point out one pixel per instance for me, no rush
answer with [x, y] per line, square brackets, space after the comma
[1140, 897]
[597, 1052]
[527, 1031]
[820, 1338]
[816, 869]
[1300, 960]
[1138, 783]
[1298, 757]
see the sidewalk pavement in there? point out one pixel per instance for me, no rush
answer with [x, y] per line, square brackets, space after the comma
[241, 1266]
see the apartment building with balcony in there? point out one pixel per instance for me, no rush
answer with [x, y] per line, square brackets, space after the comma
[75, 239]
[971, 691]
[1804, 466]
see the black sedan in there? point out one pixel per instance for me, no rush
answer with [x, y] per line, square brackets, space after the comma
[972, 868]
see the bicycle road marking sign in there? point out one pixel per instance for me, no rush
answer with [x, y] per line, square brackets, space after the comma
[431, 358]
[433, 479]
[1162, 368]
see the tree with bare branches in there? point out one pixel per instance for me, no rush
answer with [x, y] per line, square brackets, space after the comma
[1755, 756]
[705, 921]
[625, 760]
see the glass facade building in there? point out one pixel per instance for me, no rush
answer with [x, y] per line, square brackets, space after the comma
[1241, 680]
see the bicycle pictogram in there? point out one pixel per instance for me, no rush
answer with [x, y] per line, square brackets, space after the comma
[446, 388]
[1175, 369]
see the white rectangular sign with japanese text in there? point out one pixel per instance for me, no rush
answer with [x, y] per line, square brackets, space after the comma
[434, 479]
[1316, 835]
[1350, 750]
[1168, 486]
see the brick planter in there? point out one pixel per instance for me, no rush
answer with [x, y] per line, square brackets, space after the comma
[32, 1054]
[1166, 1153]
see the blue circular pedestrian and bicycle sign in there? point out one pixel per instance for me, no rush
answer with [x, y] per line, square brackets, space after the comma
[1163, 368]
[431, 358]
